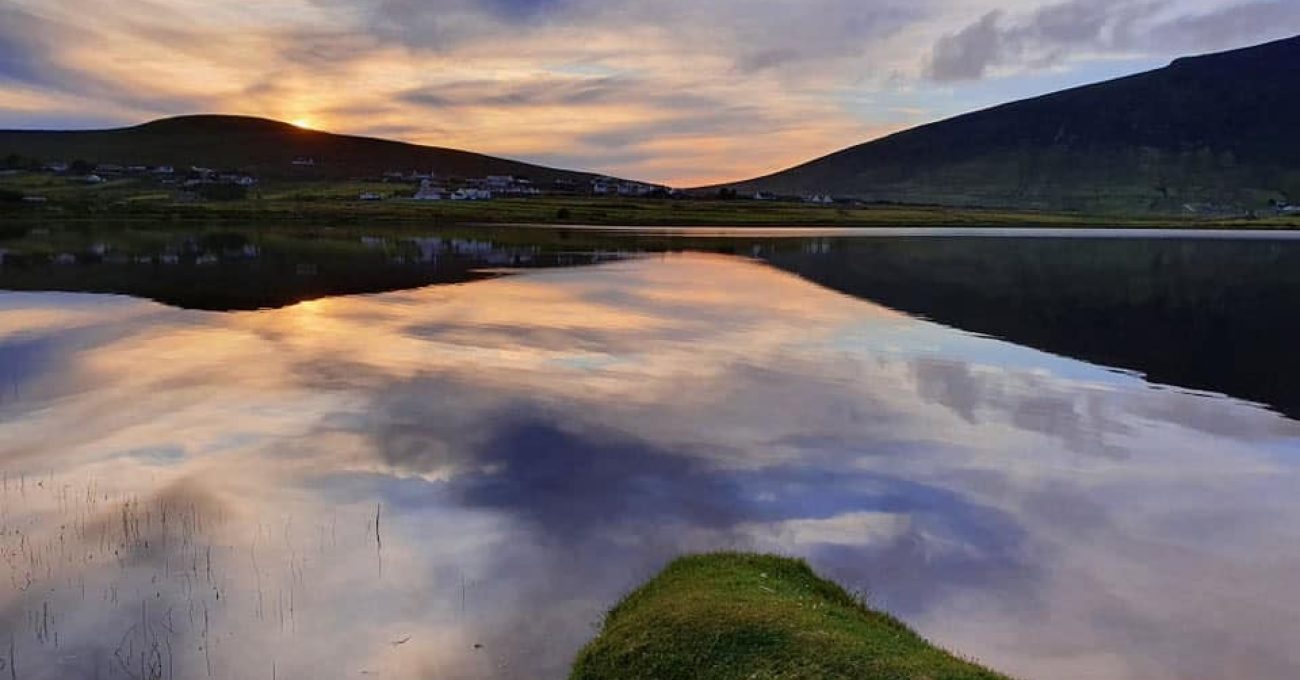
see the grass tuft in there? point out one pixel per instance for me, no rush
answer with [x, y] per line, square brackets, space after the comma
[734, 616]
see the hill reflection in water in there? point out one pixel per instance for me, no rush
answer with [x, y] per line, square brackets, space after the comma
[456, 481]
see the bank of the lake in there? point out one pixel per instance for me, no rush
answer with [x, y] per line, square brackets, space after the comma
[739, 616]
[338, 206]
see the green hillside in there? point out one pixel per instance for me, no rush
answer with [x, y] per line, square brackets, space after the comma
[263, 148]
[1218, 132]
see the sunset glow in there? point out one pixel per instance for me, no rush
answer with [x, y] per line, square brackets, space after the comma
[677, 92]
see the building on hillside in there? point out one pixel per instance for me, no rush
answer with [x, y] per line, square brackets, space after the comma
[237, 179]
[370, 196]
[764, 196]
[634, 189]
[819, 199]
[164, 170]
[471, 194]
[429, 192]
[499, 182]
[303, 162]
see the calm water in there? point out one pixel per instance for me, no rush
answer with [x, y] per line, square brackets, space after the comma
[455, 480]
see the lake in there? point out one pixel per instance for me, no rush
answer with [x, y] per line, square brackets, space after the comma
[363, 454]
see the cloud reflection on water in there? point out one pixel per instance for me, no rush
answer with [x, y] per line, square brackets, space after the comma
[494, 463]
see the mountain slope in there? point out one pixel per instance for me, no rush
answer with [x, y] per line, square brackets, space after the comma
[263, 147]
[1220, 128]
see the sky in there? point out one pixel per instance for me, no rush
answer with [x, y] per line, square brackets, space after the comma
[681, 92]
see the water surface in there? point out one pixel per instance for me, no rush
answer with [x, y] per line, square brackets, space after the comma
[457, 480]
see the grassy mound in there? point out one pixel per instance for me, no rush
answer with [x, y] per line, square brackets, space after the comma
[752, 617]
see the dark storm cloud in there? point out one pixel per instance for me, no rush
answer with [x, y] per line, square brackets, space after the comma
[1052, 33]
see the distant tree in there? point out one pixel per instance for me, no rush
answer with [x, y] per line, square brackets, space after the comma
[80, 167]
[13, 161]
[10, 196]
[727, 194]
[563, 214]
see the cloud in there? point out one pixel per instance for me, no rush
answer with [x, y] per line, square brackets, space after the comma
[1230, 26]
[968, 53]
[1054, 33]
[549, 90]
[677, 91]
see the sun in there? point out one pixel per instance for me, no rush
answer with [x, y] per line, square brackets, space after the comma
[304, 123]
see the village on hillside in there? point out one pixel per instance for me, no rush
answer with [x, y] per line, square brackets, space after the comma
[198, 183]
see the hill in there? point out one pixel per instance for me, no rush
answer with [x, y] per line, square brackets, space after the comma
[264, 148]
[1217, 130]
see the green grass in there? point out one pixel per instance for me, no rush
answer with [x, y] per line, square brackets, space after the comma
[141, 201]
[731, 616]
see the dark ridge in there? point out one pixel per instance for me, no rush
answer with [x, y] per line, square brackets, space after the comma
[1217, 129]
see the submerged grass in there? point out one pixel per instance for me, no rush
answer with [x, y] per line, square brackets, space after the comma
[733, 616]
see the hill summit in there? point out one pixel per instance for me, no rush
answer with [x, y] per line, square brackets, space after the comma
[265, 148]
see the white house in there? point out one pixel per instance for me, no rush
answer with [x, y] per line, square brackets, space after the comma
[370, 196]
[468, 194]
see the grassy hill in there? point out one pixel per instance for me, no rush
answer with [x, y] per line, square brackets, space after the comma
[1219, 129]
[732, 616]
[261, 147]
